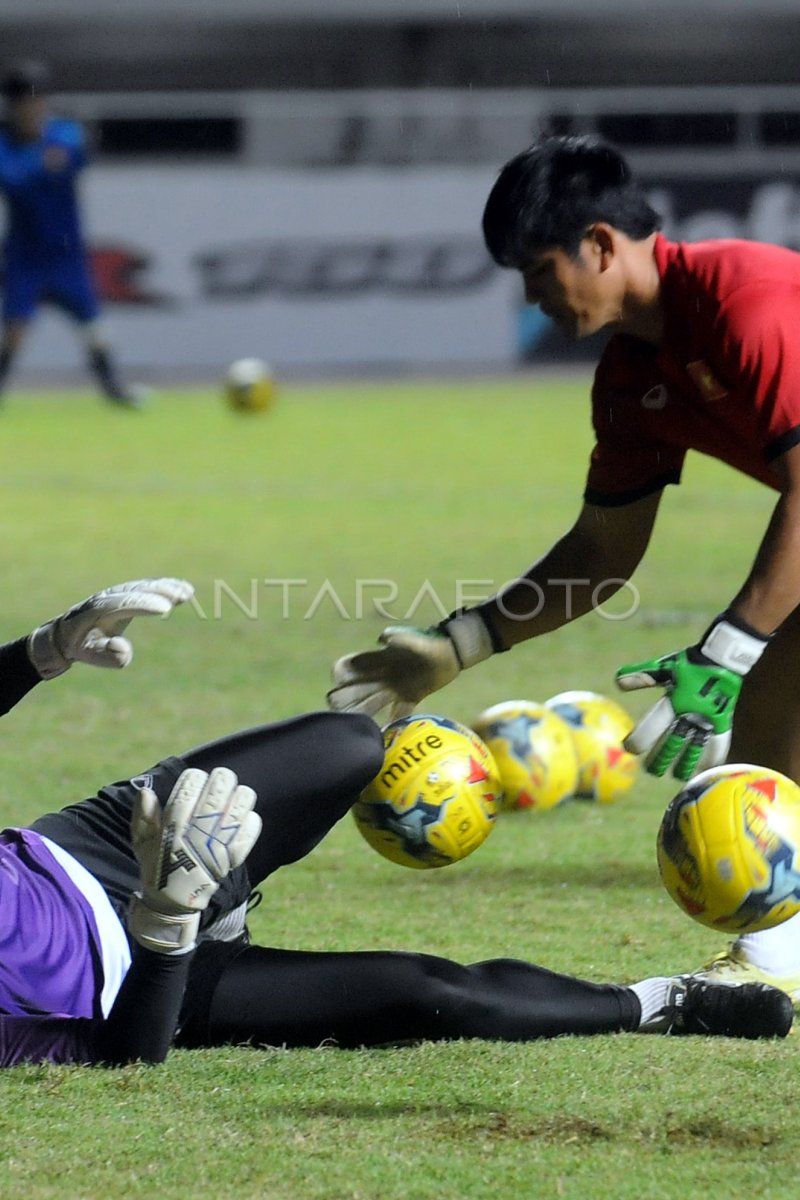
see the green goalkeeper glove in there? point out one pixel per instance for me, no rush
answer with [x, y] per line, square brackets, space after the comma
[689, 729]
[412, 664]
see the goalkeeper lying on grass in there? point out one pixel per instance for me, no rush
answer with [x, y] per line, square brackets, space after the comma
[122, 918]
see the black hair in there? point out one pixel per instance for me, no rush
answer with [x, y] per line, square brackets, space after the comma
[28, 78]
[551, 193]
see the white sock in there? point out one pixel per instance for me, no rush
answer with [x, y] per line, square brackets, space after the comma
[776, 951]
[652, 995]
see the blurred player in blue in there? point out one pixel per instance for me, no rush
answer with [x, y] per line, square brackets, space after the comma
[44, 254]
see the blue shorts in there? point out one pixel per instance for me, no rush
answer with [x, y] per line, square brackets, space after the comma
[65, 282]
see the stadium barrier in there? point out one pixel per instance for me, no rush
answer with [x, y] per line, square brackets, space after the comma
[340, 270]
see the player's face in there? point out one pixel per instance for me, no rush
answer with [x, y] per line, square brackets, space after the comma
[573, 292]
[27, 117]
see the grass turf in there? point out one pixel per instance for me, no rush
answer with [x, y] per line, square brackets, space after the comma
[421, 485]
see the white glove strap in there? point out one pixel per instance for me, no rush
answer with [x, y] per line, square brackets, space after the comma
[471, 638]
[45, 654]
[732, 648]
[166, 933]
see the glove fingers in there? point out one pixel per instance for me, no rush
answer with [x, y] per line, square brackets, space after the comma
[177, 591]
[116, 607]
[656, 678]
[402, 646]
[686, 762]
[145, 819]
[715, 752]
[401, 709]
[216, 820]
[664, 753]
[366, 698]
[345, 670]
[632, 683]
[367, 666]
[343, 697]
[650, 729]
[112, 615]
[653, 672]
[217, 794]
[111, 609]
[183, 800]
[101, 651]
[245, 839]
[402, 634]
[683, 748]
[238, 829]
[241, 802]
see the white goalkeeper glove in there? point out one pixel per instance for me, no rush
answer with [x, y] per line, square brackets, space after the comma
[412, 664]
[207, 828]
[90, 632]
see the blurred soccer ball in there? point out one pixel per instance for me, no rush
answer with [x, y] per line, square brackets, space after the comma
[436, 798]
[534, 751]
[729, 848]
[605, 769]
[249, 385]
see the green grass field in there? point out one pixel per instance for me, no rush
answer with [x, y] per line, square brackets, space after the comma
[422, 484]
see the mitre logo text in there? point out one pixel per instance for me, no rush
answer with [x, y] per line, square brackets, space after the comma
[411, 755]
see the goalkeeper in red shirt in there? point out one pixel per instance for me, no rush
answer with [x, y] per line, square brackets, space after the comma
[705, 355]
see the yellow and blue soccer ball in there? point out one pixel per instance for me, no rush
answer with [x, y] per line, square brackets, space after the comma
[436, 797]
[534, 751]
[729, 848]
[606, 771]
[249, 386]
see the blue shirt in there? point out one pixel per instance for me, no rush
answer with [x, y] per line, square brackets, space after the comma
[41, 195]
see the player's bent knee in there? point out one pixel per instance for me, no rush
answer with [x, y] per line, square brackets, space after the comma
[362, 741]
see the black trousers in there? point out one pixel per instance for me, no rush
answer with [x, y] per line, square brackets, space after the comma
[307, 772]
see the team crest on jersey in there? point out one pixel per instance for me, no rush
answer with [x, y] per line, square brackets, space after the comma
[656, 398]
[705, 381]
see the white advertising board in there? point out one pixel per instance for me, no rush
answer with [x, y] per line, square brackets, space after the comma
[313, 269]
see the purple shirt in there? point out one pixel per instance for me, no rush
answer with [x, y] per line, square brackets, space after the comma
[49, 946]
[50, 952]
[46, 1039]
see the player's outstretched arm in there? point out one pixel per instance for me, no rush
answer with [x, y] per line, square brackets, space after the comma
[89, 632]
[581, 570]
[92, 631]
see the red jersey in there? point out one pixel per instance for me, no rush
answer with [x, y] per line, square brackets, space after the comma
[725, 380]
